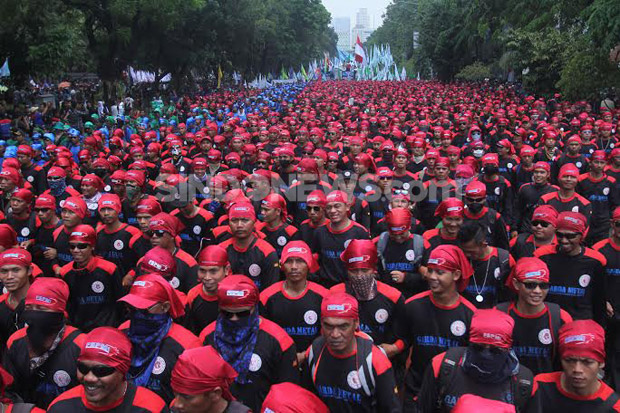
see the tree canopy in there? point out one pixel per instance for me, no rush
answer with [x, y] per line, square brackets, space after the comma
[548, 44]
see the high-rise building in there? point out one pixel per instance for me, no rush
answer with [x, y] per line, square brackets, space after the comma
[362, 27]
[342, 27]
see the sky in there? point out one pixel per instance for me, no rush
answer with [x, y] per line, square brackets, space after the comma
[348, 8]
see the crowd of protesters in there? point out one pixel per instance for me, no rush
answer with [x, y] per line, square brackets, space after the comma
[338, 246]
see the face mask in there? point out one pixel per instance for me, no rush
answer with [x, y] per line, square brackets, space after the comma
[145, 324]
[57, 187]
[285, 163]
[41, 326]
[488, 366]
[491, 170]
[475, 207]
[475, 136]
[131, 191]
[364, 288]
[478, 153]
[100, 172]
[233, 165]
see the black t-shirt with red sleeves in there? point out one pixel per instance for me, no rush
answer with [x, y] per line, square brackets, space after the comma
[135, 400]
[611, 252]
[25, 228]
[186, 275]
[298, 316]
[603, 196]
[171, 347]
[259, 261]
[434, 238]
[380, 317]
[528, 197]
[434, 193]
[500, 197]
[524, 245]
[44, 239]
[93, 294]
[548, 396]
[488, 281]
[273, 361]
[280, 236]
[10, 319]
[575, 203]
[431, 329]
[55, 376]
[61, 244]
[577, 282]
[337, 382]
[306, 230]
[122, 247]
[329, 244]
[201, 309]
[197, 229]
[534, 340]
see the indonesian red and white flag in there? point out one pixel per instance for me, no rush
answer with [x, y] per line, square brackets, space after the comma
[360, 54]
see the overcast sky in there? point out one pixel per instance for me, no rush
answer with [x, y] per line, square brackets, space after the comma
[348, 8]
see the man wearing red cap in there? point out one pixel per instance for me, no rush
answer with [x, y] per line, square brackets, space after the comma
[577, 388]
[197, 222]
[16, 276]
[400, 253]
[21, 217]
[259, 350]
[73, 213]
[32, 173]
[542, 232]
[10, 181]
[438, 319]
[42, 356]
[164, 230]
[500, 193]
[291, 398]
[537, 323]
[331, 240]
[274, 222]
[378, 199]
[119, 243]
[201, 382]
[437, 189]
[308, 180]
[567, 199]
[101, 370]
[576, 272]
[529, 194]
[202, 306]
[345, 369]
[451, 213]
[56, 181]
[94, 283]
[295, 303]
[574, 154]
[248, 254]
[403, 178]
[134, 181]
[487, 367]
[315, 206]
[491, 266]
[156, 339]
[476, 210]
[602, 192]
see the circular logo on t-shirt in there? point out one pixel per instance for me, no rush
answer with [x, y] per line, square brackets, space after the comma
[457, 328]
[206, 190]
[353, 380]
[497, 191]
[347, 174]
[544, 336]
[406, 185]
[294, 181]
[62, 378]
[197, 229]
[118, 244]
[107, 188]
[410, 255]
[30, 179]
[159, 366]
[381, 315]
[611, 145]
[575, 208]
[509, 166]
[281, 240]
[346, 243]
[182, 169]
[4, 290]
[254, 270]
[25, 231]
[578, 164]
[62, 203]
[310, 317]
[255, 362]
[368, 188]
[605, 191]
[584, 280]
[353, 216]
[97, 287]
[92, 206]
[496, 273]
[591, 150]
[175, 282]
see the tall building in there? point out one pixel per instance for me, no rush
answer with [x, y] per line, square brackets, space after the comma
[342, 27]
[362, 27]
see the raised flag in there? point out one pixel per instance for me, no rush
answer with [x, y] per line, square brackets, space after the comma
[220, 75]
[360, 54]
[4, 70]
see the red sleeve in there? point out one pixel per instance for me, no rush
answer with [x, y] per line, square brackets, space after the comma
[436, 363]
[277, 332]
[206, 331]
[380, 362]
[565, 317]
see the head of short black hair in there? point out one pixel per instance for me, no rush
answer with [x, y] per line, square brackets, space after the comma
[472, 230]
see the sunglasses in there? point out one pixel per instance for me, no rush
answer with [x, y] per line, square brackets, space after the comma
[541, 223]
[401, 192]
[240, 314]
[532, 285]
[385, 178]
[42, 209]
[314, 208]
[98, 371]
[474, 200]
[159, 233]
[571, 235]
[80, 246]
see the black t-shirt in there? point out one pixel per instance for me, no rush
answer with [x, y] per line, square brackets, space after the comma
[259, 261]
[201, 310]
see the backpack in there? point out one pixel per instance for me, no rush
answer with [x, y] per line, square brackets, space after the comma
[364, 354]
[418, 247]
[521, 384]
